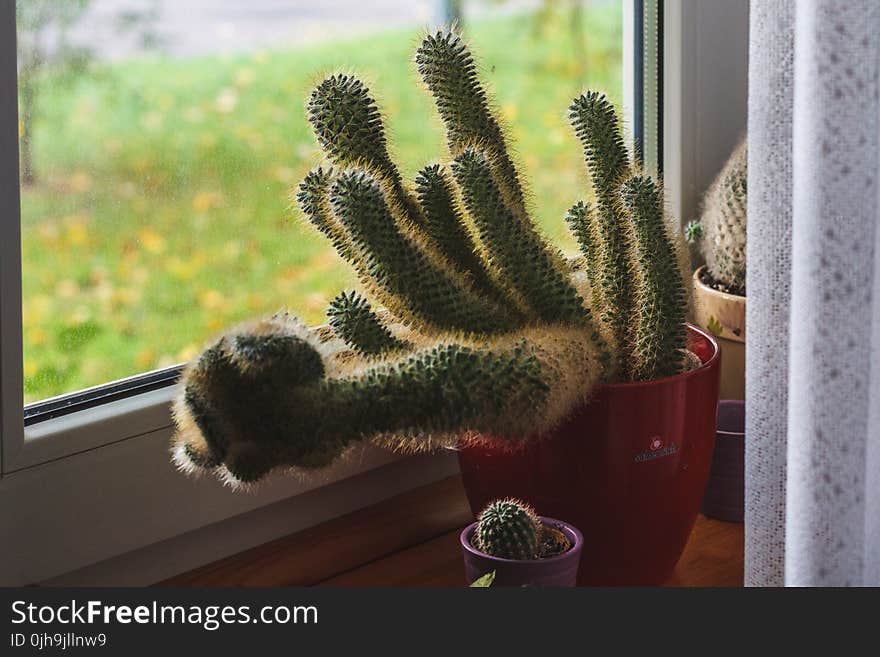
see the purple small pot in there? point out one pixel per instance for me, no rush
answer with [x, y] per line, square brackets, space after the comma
[724, 498]
[560, 570]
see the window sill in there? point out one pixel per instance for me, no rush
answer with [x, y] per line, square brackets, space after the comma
[412, 540]
[104, 503]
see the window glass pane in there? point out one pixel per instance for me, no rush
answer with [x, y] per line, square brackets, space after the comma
[160, 140]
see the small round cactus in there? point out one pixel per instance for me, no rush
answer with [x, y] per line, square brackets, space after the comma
[509, 529]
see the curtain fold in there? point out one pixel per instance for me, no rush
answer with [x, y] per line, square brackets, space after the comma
[813, 285]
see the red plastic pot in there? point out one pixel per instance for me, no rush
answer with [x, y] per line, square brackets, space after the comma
[560, 570]
[628, 468]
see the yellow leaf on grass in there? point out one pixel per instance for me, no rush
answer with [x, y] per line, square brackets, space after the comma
[77, 234]
[76, 230]
[145, 358]
[152, 241]
[184, 269]
[103, 291]
[113, 145]
[226, 101]
[283, 174]
[244, 76]
[35, 308]
[165, 101]
[189, 352]
[204, 201]
[212, 300]
[126, 296]
[231, 250]
[316, 301]
[80, 182]
[67, 288]
[48, 231]
[36, 336]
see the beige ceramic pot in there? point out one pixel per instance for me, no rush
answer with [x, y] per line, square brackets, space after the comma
[724, 315]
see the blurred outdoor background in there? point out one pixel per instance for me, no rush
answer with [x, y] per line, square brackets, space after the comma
[160, 140]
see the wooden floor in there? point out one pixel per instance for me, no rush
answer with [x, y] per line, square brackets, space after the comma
[412, 540]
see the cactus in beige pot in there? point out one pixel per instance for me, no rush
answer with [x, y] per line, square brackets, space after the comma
[721, 230]
[720, 285]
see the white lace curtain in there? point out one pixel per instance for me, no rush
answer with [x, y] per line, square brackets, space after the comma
[813, 285]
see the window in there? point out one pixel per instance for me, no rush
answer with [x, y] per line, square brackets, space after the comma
[155, 165]
[156, 161]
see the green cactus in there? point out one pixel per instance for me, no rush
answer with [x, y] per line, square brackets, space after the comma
[353, 320]
[450, 74]
[722, 225]
[485, 329]
[348, 126]
[446, 225]
[659, 332]
[595, 124]
[515, 249]
[276, 393]
[508, 529]
[693, 232]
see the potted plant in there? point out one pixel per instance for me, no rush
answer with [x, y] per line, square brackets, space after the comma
[521, 548]
[720, 284]
[572, 384]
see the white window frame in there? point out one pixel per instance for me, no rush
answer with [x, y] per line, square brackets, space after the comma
[92, 485]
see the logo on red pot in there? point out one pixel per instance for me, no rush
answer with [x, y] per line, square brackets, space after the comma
[657, 448]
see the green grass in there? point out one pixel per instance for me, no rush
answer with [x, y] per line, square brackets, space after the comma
[161, 213]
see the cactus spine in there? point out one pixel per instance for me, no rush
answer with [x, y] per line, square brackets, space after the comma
[722, 228]
[508, 529]
[484, 328]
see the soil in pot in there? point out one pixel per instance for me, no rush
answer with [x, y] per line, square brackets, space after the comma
[709, 281]
[553, 543]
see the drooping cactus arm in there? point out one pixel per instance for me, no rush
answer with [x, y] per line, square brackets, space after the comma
[353, 320]
[245, 407]
[448, 70]
[237, 377]
[595, 123]
[659, 334]
[518, 253]
[445, 224]
[415, 287]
